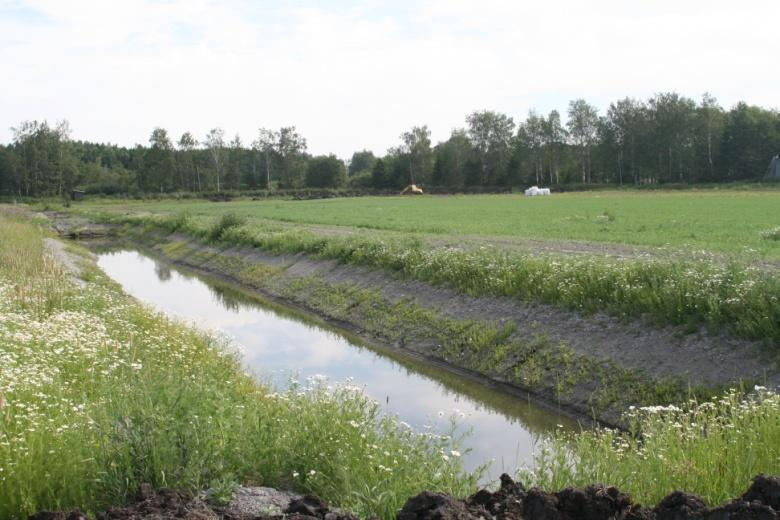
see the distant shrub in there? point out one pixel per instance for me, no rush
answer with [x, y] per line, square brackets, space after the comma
[360, 181]
[177, 222]
[225, 222]
[605, 218]
[771, 234]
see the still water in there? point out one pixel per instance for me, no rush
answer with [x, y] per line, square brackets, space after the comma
[278, 343]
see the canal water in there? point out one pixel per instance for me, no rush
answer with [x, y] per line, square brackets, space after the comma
[278, 344]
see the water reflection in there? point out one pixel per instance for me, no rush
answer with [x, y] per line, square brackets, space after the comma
[276, 342]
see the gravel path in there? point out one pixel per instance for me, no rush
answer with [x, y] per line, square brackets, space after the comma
[67, 260]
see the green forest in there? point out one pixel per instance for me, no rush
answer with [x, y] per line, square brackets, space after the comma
[666, 139]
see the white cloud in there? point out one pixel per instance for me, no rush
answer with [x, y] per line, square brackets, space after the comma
[356, 75]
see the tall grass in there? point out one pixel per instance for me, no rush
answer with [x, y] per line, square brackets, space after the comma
[99, 394]
[693, 291]
[219, 227]
[36, 276]
[712, 449]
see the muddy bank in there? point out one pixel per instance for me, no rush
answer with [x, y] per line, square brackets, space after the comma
[69, 225]
[247, 503]
[700, 357]
[594, 502]
[761, 501]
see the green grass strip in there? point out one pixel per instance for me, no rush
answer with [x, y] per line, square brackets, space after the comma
[99, 394]
[712, 449]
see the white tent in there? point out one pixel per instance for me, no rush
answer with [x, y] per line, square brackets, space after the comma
[536, 191]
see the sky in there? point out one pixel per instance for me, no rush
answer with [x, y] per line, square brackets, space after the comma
[355, 75]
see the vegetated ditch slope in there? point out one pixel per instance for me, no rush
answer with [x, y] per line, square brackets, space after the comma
[713, 449]
[100, 394]
[594, 365]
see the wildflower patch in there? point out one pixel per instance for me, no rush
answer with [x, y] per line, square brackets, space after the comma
[99, 394]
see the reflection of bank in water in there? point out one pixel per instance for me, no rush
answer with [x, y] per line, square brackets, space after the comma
[277, 341]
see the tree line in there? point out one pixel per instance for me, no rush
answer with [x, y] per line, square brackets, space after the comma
[666, 139]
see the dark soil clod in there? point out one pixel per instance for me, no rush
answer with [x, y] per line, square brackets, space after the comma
[165, 503]
[314, 507]
[739, 510]
[765, 490]
[681, 506]
[594, 502]
[434, 506]
[541, 505]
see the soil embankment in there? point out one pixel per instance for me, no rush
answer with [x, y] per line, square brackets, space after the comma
[594, 502]
[617, 352]
[511, 501]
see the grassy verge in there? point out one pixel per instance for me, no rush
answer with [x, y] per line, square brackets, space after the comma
[99, 394]
[692, 292]
[711, 449]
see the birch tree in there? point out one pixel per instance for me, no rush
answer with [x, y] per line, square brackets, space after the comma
[215, 142]
[291, 147]
[417, 149]
[583, 126]
[554, 138]
[187, 163]
[491, 134]
[266, 144]
[531, 133]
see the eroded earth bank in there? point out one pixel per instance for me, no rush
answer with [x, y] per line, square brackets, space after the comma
[586, 365]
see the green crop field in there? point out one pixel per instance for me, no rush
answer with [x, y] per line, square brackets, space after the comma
[723, 222]
[703, 258]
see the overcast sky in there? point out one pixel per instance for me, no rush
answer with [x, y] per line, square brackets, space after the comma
[353, 75]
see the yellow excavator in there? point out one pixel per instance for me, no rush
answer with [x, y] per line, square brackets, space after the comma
[412, 189]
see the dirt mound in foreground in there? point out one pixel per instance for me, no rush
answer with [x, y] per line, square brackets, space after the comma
[594, 502]
[511, 501]
[168, 504]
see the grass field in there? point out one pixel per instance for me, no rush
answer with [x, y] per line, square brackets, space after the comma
[727, 222]
[677, 283]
